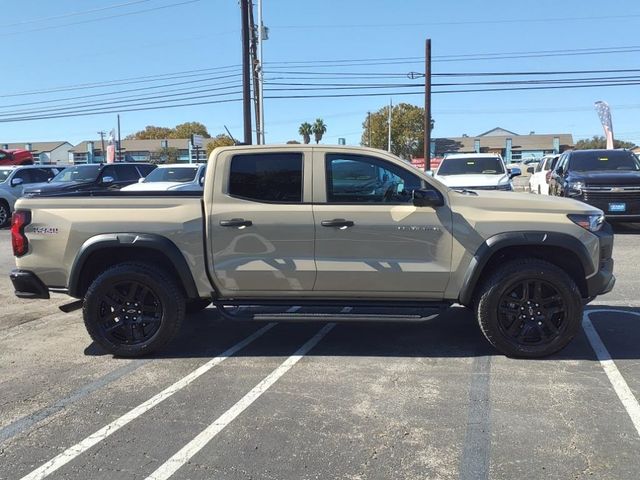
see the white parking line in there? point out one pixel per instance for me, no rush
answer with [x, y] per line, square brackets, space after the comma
[79, 448]
[618, 382]
[194, 446]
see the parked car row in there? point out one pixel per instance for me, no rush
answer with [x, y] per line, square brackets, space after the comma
[16, 181]
[606, 179]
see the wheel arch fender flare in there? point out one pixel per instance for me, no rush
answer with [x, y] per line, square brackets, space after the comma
[524, 239]
[149, 241]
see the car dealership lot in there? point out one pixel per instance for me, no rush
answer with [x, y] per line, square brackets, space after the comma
[362, 400]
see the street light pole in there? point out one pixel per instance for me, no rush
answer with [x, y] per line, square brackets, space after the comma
[246, 89]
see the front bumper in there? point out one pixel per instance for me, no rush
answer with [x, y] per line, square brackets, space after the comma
[28, 285]
[603, 281]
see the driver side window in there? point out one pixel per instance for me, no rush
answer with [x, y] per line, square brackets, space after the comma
[363, 179]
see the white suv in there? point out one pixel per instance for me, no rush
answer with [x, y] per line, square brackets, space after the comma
[539, 180]
[480, 171]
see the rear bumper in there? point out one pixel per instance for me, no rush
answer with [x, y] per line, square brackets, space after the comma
[28, 285]
[603, 281]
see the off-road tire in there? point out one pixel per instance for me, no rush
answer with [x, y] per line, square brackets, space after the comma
[163, 297]
[493, 300]
[5, 214]
[195, 306]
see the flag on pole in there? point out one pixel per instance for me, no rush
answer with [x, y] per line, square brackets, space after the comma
[604, 113]
[111, 148]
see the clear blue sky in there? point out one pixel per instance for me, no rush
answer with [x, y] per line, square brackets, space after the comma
[47, 45]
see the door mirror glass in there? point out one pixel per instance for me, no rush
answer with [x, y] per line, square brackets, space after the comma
[16, 181]
[515, 172]
[427, 198]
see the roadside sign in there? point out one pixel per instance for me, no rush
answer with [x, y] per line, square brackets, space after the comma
[196, 140]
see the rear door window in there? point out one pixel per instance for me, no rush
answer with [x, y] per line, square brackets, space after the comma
[267, 177]
[128, 173]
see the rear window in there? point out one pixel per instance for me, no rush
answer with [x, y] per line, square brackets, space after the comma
[603, 160]
[267, 177]
[172, 174]
[471, 165]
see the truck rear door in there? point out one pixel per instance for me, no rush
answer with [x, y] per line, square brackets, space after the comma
[260, 222]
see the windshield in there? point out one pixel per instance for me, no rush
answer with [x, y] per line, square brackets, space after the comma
[4, 174]
[471, 165]
[80, 173]
[178, 174]
[604, 160]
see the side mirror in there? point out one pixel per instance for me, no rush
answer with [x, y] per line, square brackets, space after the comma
[427, 198]
[107, 180]
[201, 181]
[141, 180]
[16, 181]
[530, 170]
[515, 172]
[560, 171]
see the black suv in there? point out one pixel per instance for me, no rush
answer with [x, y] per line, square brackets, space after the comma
[606, 179]
[94, 176]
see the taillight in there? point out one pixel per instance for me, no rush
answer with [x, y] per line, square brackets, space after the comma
[19, 242]
[548, 176]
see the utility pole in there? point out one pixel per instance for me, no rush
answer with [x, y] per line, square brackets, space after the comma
[389, 140]
[262, 36]
[119, 142]
[427, 106]
[102, 134]
[246, 88]
[255, 67]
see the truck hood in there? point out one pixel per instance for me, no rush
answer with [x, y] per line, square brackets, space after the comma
[607, 177]
[58, 187]
[153, 186]
[511, 202]
[474, 180]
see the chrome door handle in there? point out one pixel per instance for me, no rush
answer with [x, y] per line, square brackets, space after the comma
[236, 222]
[337, 222]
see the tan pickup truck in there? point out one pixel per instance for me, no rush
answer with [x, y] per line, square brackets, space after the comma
[314, 227]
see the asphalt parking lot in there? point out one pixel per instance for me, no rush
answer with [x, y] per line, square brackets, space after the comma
[417, 400]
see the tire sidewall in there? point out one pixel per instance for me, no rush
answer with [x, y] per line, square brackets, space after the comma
[161, 286]
[5, 207]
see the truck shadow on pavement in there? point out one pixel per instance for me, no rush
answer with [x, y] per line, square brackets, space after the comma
[454, 334]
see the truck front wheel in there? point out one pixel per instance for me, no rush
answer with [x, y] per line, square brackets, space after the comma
[529, 308]
[133, 309]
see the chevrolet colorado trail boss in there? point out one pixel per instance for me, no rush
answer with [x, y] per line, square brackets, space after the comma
[314, 226]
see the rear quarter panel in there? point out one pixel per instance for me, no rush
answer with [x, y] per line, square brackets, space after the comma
[60, 226]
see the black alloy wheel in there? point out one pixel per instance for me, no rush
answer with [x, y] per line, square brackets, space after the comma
[129, 313]
[532, 313]
[133, 309]
[529, 308]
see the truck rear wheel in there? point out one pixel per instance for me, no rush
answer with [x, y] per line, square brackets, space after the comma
[5, 214]
[133, 309]
[529, 308]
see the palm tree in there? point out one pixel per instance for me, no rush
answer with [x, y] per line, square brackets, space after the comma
[319, 129]
[306, 130]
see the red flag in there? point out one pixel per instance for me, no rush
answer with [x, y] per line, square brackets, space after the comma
[604, 113]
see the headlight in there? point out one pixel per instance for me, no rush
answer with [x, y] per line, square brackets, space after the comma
[575, 188]
[592, 222]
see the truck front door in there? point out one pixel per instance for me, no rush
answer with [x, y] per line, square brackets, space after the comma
[260, 223]
[370, 238]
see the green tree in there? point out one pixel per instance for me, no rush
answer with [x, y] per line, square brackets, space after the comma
[185, 130]
[407, 130]
[165, 155]
[221, 140]
[293, 142]
[151, 132]
[601, 142]
[319, 129]
[305, 130]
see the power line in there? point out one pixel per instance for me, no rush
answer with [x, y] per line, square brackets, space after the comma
[93, 20]
[73, 14]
